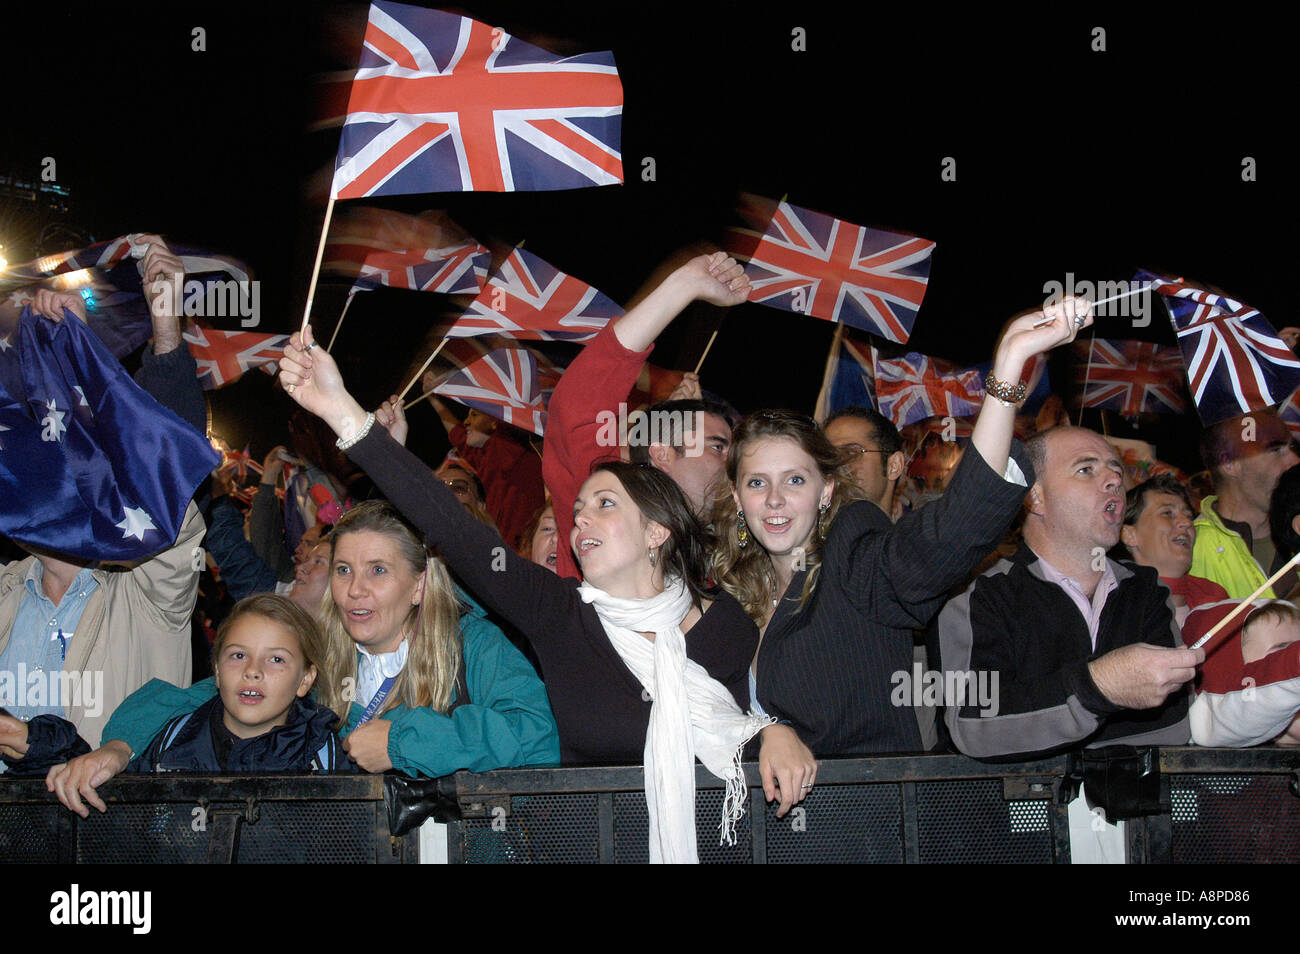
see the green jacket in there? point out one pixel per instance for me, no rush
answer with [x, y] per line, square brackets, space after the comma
[1221, 555]
[507, 723]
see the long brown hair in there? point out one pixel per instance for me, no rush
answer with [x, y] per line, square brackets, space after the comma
[429, 676]
[747, 572]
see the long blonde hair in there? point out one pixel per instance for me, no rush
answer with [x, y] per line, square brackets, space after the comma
[747, 572]
[429, 676]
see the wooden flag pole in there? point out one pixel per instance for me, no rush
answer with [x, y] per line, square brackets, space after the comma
[1247, 601]
[823, 395]
[320, 253]
[700, 363]
[427, 361]
[344, 314]
[426, 395]
[1133, 291]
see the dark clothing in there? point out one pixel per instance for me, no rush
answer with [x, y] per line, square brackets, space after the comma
[199, 742]
[266, 532]
[50, 740]
[599, 706]
[830, 667]
[173, 380]
[1015, 622]
[242, 570]
[511, 472]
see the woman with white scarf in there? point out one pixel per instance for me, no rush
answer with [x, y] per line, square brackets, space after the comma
[640, 660]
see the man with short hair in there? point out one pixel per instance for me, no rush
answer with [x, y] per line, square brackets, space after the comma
[1085, 650]
[1245, 455]
[694, 454]
[875, 451]
[1158, 532]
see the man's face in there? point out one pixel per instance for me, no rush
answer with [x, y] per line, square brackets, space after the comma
[868, 463]
[1080, 495]
[1163, 535]
[699, 467]
[1259, 463]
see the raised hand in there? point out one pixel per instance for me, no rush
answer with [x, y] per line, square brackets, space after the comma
[51, 304]
[1037, 332]
[311, 378]
[717, 278]
[392, 417]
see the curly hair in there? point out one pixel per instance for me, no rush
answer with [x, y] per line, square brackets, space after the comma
[429, 676]
[747, 573]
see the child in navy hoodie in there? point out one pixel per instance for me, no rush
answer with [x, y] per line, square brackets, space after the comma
[265, 661]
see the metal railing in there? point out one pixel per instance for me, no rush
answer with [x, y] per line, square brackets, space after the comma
[1220, 805]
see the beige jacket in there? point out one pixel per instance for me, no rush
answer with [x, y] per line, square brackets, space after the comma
[136, 625]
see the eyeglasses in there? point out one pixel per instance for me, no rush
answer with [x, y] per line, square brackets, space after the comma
[857, 449]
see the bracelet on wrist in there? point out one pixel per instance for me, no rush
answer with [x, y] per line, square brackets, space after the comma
[1012, 395]
[362, 431]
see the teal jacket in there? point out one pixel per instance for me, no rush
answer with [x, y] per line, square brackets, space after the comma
[507, 723]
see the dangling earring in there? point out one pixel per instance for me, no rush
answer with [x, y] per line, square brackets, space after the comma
[652, 556]
[821, 530]
[742, 531]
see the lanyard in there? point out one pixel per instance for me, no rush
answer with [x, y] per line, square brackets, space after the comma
[377, 700]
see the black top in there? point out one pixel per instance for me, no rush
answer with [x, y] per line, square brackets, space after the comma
[833, 668]
[598, 703]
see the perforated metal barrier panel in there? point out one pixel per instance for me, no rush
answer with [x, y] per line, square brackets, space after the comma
[1224, 806]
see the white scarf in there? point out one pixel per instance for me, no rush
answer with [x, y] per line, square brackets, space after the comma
[692, 715]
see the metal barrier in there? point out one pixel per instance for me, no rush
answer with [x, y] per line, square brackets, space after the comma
[179, 819]
[1225, 805]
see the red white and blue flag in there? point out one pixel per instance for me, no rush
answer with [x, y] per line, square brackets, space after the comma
[509, 383]
[1131, 377]
[443, 103]
[528, 298]
[814, 264]
[223, 356]
[915, 386]
[1235, 361]
[426, 252]
[850, 378]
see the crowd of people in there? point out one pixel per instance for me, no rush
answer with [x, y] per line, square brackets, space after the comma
[734, 587]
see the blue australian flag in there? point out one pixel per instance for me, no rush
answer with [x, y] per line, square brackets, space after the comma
[91, 466]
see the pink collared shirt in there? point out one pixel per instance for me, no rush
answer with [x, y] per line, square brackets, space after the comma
[1090, 608]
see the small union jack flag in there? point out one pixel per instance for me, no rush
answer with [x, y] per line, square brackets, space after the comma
[1131, 377]
[427, 252]
[1235, 361]
[850, 378]
[506, 383]
[223, 356]
[914, 387]
[527, 298]
[442, 103]
[815, 264]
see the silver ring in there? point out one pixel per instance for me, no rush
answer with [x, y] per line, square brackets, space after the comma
[1079, 320]
[805, 786]
[310, 346]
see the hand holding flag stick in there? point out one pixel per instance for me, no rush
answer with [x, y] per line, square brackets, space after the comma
[1105, 301]
[1247, 602]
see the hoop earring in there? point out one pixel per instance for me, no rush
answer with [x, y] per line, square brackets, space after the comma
[821, 529]
[742, 531]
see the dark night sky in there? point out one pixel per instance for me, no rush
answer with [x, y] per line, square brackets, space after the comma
[1067, 160]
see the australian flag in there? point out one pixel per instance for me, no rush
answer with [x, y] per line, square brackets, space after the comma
[90, 465]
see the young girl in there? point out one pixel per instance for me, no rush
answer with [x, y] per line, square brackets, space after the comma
[267, 655]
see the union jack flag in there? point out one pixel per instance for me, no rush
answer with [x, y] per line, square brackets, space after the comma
[442, 103]
[506, 383]
[1131, 377]
[428, 252]
[527, 298]
[1235, 361]
[814, 264]
[850, 378]
[914, 387]
[223, 356]
[1290, 413]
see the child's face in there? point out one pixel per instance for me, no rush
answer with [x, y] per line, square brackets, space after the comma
[259, 672]
[1264, 636]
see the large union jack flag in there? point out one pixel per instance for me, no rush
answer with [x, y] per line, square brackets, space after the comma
[442, 103]
[1131, 377]
[528, 298]
[815, 264]
[1235, 361]
[914, 387]
[427, 252]
[223, 356]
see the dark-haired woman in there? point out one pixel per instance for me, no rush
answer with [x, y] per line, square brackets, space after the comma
[641, 660]
[834, 586]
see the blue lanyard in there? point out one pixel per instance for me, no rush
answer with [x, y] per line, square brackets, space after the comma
[377, 700]
[63, 646]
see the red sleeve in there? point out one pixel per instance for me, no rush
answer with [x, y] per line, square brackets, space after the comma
[597, 380]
